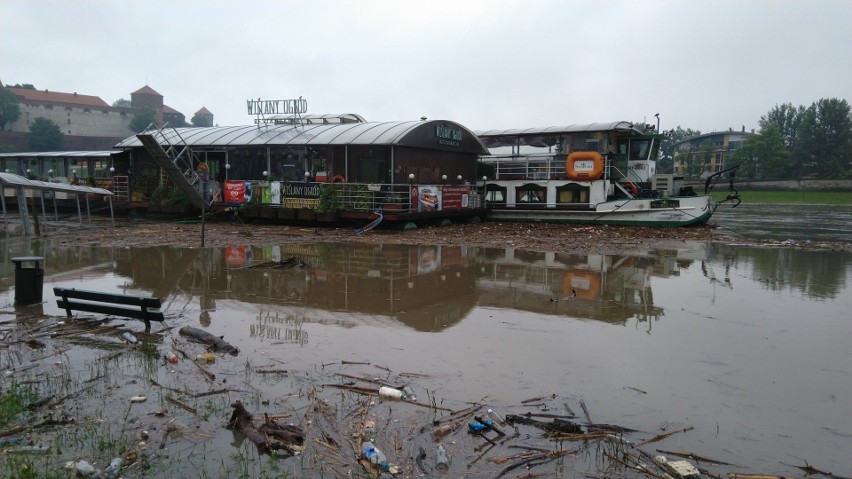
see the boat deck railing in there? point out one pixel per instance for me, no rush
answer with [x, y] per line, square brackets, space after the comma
[534, 166]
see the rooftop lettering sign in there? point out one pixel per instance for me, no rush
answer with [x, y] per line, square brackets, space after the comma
[448, 136]
[277, 107]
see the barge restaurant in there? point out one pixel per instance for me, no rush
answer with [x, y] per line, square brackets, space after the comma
[315, 167]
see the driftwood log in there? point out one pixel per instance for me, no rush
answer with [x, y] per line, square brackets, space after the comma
[556, 425]
[270, 436]
[215, 343]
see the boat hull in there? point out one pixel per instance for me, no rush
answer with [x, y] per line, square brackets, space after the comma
[657, 212]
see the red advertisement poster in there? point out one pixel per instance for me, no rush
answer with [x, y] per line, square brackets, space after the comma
[455, 197]
[234, 191]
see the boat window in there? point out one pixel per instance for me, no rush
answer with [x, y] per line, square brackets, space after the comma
[531, 194]
[495, 194]
[572, 193]
[639, 149]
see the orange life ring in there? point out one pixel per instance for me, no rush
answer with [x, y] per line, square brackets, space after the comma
[338, 179]
[632, 187]
[581, 284]
[584, 165]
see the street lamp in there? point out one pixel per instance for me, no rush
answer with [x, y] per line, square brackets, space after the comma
[459, 178]
[443, 177]
[265, 174]
[307, 176]
[658, 122]
[227, 167]
[411, 177]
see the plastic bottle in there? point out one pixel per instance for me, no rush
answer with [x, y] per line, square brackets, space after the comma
[496, 417]
[84, 469]
[374, 455]
[114, 468]
[208, 358]
[391, 393]
[408, 393]
[171, 357]
[442, 461]
[129, 337]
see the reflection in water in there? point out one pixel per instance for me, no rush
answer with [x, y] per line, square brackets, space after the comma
[427, 288]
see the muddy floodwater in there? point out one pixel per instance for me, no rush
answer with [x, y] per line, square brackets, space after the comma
[740, 353]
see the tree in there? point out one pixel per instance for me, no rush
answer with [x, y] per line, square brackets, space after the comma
[142, 119]
[786, 118]
[824, 140]
[10, 111]
[25, 86]
[666, 163]
[44, 135]
[762, 156]
[201, 121]
[122, 103]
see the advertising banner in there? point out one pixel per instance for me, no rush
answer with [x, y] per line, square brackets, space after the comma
[455, 197]
[428, 198]
[234, 191]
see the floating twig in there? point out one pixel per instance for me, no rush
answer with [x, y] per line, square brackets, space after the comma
[663, 436]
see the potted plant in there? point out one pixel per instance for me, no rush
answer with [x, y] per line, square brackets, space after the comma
[329, 202]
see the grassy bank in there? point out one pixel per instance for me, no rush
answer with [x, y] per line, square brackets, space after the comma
[800, 197]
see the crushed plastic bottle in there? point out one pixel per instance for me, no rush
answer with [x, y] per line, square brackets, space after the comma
[208, 358]
[129, 337]
[375, 455]
[408, 393]
[171, 357]
[476, 426]
[113, 469]
[84, 469]
[442, 461]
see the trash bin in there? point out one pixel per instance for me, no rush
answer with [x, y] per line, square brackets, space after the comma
[29, 281]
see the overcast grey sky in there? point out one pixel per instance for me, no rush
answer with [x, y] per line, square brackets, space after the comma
[701, 64]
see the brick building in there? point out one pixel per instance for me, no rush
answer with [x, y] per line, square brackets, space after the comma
[87, 121]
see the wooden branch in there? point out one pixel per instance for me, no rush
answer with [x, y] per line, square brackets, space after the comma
[663, 436]
[181, 404]
[694, 457]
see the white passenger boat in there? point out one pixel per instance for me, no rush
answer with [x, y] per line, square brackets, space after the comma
[599, 173]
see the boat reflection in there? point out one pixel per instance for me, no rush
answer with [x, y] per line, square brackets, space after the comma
[609, 288]
[426, 288]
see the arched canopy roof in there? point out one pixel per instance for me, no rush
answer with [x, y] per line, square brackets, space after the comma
[434, 134]
[60, 154]
[543, 137]
[13, 180]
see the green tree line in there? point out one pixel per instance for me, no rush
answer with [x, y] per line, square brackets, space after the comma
[793, 142]
[798, 142]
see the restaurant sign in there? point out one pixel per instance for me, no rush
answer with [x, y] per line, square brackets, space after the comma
[277, 107]
[448, 136]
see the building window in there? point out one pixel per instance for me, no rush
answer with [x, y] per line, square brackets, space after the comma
[87, 110]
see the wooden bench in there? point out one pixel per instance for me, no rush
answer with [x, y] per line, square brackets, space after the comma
[108, 303]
